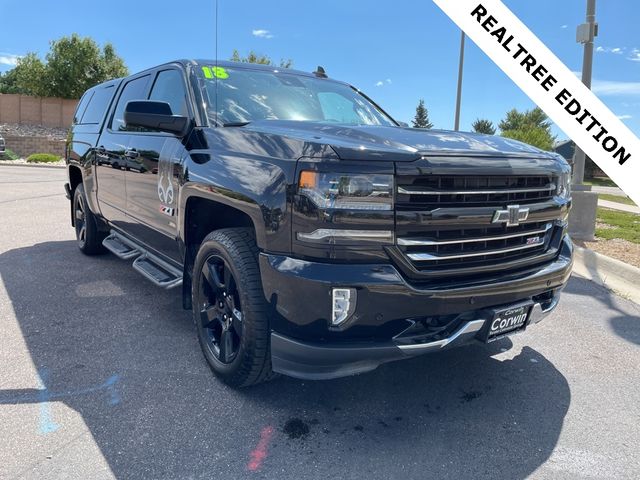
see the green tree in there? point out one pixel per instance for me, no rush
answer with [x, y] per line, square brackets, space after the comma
[531, 126]
[9, 82]
[30, 74]
[112, 65]
[75, 64]
[254, 57]
[72, 65]
[421, 119]
[536, 136]
[515, 120]
[482, 125]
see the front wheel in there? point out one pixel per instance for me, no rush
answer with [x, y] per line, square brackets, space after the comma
[229, 308]
[88, 237]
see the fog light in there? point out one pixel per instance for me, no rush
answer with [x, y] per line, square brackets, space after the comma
[343, 304]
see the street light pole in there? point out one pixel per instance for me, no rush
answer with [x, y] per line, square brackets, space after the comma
[459, 95]
[586, 34]
[582, 218]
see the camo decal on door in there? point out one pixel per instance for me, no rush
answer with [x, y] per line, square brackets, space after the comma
[170, 155]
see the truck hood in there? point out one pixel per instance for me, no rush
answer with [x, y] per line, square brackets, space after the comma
[369, 142]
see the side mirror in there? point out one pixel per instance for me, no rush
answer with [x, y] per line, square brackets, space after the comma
[154, 116]
[403, 124]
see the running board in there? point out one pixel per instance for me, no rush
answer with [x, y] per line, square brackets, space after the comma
[120, 246]
[154, 269]
[158, 271]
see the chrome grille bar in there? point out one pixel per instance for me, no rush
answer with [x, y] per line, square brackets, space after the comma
[409, 191]
[415, 241]
[425, 257]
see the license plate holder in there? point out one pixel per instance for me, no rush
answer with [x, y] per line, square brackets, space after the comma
[507, 321]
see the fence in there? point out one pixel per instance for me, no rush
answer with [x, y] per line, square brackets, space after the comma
[49, 112]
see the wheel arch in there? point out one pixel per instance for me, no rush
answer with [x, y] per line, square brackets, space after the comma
[75, 179]
[202, 215]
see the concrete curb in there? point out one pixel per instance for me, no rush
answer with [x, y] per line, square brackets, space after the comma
[31, 165]
[613, 274]
[619, 206]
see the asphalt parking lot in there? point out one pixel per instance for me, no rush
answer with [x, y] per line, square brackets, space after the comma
[101, 376]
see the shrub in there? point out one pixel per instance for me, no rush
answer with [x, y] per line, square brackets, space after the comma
[42, 158]
[9, 155]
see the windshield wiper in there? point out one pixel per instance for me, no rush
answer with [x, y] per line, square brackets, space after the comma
[235, 124]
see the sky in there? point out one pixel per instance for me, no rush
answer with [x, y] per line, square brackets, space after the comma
[397, 51]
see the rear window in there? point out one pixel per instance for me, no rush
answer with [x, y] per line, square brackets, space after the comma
[97, 106]
[82, 106]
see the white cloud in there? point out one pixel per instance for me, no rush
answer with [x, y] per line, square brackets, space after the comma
[613, 88]
[380, 83]
[614, 50]
[564, 26]
[262, 33]
[635, 55]
[625, 117]
[9, 59]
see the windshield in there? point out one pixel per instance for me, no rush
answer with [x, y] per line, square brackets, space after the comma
[245, 95]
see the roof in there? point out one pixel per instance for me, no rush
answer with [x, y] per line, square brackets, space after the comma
[252, 66]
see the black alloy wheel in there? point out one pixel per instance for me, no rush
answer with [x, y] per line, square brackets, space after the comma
[88, 236]
[230, 311]
[80, 215]
[220, 312]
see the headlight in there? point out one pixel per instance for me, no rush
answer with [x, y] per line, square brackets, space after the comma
[347, 191]
[563, 190]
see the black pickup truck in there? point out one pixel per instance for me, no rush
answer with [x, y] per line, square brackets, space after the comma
[311, 234]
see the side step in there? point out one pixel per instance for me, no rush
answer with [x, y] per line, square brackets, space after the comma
[120, 246]
[157, 271]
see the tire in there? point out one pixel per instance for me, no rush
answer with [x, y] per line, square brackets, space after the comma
[88, 236]
[229, 308]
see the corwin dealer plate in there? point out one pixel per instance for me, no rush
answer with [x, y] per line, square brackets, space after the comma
[508, 320]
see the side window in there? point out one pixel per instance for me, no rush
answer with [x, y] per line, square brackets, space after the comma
[82, 106]
[134, 90]
[337, 108]
[169, 87]
[97, 105]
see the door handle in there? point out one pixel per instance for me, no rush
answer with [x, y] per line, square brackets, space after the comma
[131, 153]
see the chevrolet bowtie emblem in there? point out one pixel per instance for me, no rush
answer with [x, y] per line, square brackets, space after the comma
[512, 216]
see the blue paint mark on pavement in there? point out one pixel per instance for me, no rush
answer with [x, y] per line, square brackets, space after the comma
[46, 423]
[114, 396]
[43, 397]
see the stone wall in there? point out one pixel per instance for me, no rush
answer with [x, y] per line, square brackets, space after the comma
[25, 146]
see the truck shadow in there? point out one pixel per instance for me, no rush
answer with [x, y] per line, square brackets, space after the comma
[624, 316]
[123, 354]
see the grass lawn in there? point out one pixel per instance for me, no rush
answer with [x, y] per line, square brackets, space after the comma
[616, 198]
[600, 182]
[625, 225]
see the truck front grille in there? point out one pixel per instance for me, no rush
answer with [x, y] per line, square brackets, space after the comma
[475, 246]
[467, 191]
[447, 223]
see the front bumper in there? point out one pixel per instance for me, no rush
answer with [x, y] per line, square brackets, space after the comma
[305, 345]
[320, 362]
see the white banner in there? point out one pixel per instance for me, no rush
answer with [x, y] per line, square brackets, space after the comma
[552, 86]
